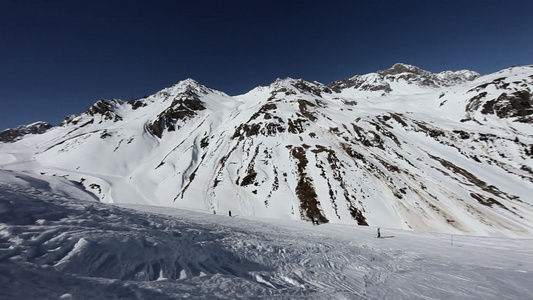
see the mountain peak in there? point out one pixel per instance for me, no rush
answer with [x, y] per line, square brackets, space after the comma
[190, 86]
[413, 74]
[400, 68]
[187, 87]
[189, 82]
[283, 82]
[288, 84]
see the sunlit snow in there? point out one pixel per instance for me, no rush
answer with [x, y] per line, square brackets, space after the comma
[59, 244]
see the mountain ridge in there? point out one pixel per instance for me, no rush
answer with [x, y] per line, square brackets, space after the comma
[402, 149]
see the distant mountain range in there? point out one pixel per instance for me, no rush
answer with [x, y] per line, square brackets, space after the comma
[401, 148]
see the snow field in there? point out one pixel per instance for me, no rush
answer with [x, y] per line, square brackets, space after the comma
[56, 242]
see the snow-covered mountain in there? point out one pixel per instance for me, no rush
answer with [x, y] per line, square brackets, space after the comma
[401, 148]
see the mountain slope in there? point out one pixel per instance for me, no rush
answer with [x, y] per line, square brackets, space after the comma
[401, 148]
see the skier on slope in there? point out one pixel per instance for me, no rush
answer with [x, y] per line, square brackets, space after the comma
[230, 213]
[379, 232]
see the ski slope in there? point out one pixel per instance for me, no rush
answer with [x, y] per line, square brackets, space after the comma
[58, 242]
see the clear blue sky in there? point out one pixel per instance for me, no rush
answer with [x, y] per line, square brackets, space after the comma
[59, 57]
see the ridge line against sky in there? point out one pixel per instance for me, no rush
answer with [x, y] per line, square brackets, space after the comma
[59, 57]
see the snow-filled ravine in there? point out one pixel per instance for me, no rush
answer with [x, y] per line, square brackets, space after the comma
[57, 242]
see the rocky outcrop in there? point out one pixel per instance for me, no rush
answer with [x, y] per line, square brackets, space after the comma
[184, 106]
[14, 134]
[504, 97]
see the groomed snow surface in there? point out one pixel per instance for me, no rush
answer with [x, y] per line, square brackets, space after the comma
[57, 242]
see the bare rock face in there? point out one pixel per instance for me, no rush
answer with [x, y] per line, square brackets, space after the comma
[504, 97]
[184, 106]
[14, 134]
[517, 104]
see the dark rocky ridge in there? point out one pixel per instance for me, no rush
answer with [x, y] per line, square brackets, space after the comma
[14, 134]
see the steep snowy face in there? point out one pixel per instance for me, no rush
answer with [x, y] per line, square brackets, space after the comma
[401, 148]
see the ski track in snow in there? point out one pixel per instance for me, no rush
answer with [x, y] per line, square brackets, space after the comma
[58, 243]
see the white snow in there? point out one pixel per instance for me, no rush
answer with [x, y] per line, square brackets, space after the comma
[57, 242]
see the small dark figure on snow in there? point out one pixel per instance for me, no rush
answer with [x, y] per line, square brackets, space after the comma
[230, 213]
[315, 221]
[379, 232]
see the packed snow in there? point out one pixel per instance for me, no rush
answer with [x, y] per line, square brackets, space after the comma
[59, 242]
